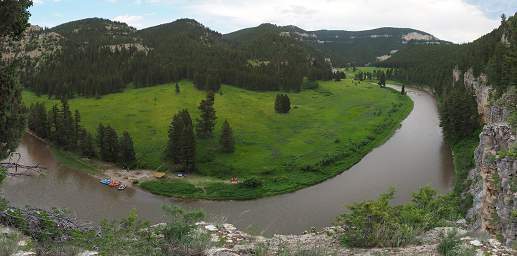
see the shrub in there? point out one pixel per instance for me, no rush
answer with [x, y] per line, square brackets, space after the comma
[3, 174]
[310, 85]
[252, 182]
[450, 245]
[377, 223]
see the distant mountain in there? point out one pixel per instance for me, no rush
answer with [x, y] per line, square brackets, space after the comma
[343, 47]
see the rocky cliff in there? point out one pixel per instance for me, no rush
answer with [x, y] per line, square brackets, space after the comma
[494, 179]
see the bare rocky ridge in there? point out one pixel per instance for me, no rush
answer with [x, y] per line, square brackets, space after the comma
[493, 180]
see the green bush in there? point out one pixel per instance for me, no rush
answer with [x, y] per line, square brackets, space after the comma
[451, 245]
[376, 223]
[252, 183]
[3, 174]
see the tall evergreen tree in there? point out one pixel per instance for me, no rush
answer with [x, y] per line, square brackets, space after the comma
[101, 144]
[177, 88]
[38, 120]
[227, 141]
[15, 17]
[127, 152]
[206, 123]
[54, 123]
[77, 127]
[282, 103]
[85, 143]
[111, 146]
[181, 145]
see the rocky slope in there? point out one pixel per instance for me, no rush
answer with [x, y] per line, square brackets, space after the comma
[494, 179]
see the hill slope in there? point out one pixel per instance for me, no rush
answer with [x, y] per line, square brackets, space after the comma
[342, 47]
[97, 56]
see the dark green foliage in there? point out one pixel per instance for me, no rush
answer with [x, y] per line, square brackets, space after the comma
[206, 123]
[252, 183]
[109, 149]
[12, 119]
[227, 141]
[181, 146]
[379, 224]
[86, 144]
[3, 174]
[177, 88]
[458, 114]
[403, 91]
[310, 85]
[127, 152]
[38, 120]
[168, 52]
[108, 143]
[15, 17]
[282, 103]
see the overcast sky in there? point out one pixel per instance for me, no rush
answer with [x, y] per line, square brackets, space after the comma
[453, 20]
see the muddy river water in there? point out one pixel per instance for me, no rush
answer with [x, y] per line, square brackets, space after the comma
[415, 156]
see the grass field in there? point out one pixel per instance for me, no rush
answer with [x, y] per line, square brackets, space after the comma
[327, 131]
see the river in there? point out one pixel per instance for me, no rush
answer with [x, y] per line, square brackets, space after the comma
[416, 155]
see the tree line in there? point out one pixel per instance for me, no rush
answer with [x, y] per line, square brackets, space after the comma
[61, 127]
[88, 66]
[494, 54]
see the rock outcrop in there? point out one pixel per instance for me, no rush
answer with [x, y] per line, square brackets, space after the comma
[493, 180]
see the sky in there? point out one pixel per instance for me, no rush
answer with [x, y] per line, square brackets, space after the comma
[458, 21]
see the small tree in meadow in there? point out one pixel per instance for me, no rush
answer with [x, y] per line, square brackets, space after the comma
[227, 141]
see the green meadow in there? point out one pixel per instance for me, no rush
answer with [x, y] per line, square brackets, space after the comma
[327, 131]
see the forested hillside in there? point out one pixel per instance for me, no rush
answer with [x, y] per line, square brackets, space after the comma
[494, 54]
[346, 47]
[98, 56]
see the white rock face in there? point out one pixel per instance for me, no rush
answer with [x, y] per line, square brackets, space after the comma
[417, 36]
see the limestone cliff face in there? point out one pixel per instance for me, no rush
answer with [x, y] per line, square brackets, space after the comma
[494, 179]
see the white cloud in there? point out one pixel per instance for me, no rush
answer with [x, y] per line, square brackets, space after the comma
[453, 20]
[132, 20]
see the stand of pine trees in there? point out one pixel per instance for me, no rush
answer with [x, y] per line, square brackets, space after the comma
[181, 146]
[282, 103]
[63, 129]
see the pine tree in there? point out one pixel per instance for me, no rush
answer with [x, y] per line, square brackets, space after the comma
[286, 104]
[227, 141]
[38, 120]
[101, 145]
[127, 152]
[86, 145]
[177, 88]
[12, 119]
[15, 17]
[278, 103]
[54, 123]
[205, 124]
[77, 127]
[111, 145]
[181, 146]
[403, 91]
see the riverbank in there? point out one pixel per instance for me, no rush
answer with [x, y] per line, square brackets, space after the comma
[328, 130]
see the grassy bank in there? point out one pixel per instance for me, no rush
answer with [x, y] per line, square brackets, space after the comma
[327, 131]
[73, 161]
